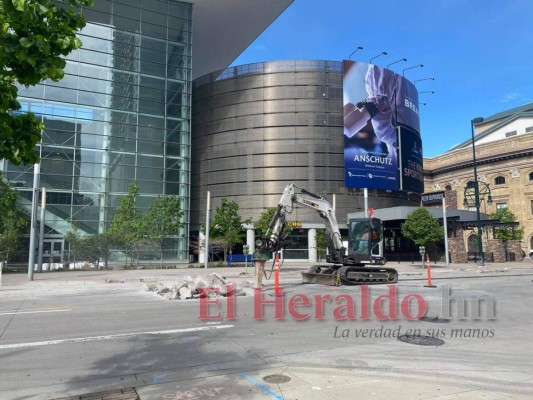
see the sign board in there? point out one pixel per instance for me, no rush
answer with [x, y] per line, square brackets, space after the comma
[433, 198]
[294, 224]
[421, 249]
[411, 160]
[375, 101]
[245, 249]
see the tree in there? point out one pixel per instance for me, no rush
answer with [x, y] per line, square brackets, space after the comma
[321, 242]
[227, 225]
[422, 228]
[12, 220]
[262, 224]
[507, 233]
[34, 35]
[163, 220]
[127, 227]
[91, 248]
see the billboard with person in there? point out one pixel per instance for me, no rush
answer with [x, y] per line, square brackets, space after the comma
[376, 100]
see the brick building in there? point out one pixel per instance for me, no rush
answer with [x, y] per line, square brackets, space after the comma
[504, 153]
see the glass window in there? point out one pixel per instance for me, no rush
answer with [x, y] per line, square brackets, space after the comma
[121, 172]
[152, 162]
[499, 180]
[122, 144]
[531, 176]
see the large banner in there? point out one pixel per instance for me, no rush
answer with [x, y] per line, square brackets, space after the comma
[411, 160]
[375, 101]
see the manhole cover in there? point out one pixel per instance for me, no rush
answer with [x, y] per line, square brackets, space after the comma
[276, 378]
[421, 340]
[435, 320]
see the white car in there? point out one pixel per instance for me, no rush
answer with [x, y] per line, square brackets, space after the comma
[531, 253]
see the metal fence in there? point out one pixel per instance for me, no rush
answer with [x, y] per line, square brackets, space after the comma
[476, 256]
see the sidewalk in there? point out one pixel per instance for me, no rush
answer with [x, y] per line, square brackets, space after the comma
[290, 272]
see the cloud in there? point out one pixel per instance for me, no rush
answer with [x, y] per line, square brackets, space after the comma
[510, 97]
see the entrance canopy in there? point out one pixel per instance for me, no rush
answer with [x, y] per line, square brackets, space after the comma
[401, 213]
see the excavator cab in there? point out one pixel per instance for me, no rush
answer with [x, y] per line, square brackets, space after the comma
[365, 241]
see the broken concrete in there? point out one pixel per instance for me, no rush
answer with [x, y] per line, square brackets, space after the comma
[193, 287]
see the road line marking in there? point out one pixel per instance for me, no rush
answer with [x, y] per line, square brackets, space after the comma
[108, 337]
[264, 388]
[34, 312]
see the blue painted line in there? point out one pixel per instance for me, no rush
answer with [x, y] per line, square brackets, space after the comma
[156, 378]
[262, 387]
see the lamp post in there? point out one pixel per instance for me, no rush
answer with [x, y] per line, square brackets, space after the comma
[397, 61]
[358, 48]
[476, 188]
[383, 53]
[483, 190]
[424, 79]
[414, 66]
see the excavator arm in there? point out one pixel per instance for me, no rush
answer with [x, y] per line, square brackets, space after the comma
[273, 241]
[353, 268]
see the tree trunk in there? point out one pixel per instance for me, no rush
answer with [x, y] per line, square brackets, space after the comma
[161, 253]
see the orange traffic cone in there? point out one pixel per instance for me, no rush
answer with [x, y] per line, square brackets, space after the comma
[429, 273]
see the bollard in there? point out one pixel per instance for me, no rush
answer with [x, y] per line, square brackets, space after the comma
[429, 273]
[259, 271]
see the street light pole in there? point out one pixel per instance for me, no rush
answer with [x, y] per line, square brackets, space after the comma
[414, 66]
[383, 53]
[476, 188]
[353, 52]
[424, 79]
[397, 61]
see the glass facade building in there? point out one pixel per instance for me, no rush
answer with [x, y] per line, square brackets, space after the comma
[121, 113]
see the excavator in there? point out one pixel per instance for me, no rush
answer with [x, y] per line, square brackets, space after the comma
[361, 263]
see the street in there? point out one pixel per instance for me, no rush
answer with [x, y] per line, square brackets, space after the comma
[74, 334]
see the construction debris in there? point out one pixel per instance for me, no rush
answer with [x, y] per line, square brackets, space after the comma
[194, 287]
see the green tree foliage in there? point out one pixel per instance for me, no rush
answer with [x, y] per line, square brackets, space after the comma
[164, 220]
[92, 248]
[34, 36]
[321, 243]
[127, 226]
[227, 225]
[507, 233]
[422, 228]
[12, 220]
[261, 225]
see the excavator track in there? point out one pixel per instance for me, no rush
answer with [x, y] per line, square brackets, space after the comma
[350, 275]
[367, 275]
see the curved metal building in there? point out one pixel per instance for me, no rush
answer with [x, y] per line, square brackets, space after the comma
[257, 127]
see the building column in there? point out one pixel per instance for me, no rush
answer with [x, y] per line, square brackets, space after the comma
[311, 236]
[250, 239]
[201, 248]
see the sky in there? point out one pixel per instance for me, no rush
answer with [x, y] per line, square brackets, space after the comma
[480, 52]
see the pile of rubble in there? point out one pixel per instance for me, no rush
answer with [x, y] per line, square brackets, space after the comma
[194, 287]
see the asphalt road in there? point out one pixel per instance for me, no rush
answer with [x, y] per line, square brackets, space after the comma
[79, 337]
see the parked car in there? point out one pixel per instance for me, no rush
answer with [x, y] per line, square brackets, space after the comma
[531, 253]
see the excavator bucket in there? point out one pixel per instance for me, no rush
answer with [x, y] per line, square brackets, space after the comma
[321, 279]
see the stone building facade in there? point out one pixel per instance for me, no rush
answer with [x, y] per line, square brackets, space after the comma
[504, 153]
